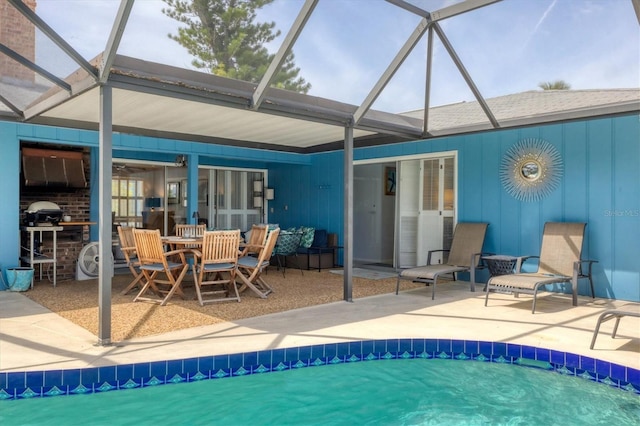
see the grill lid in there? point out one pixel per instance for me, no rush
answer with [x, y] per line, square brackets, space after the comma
[40, 206]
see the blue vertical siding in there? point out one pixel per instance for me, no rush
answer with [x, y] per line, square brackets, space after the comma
[600, 185]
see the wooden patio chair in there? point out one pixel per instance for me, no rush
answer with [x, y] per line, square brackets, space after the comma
[194, 231]
[257, 239]
[216, 266]
[154, 261]
[464, 256]
[559, 262]
[250, 268]
[128, 248]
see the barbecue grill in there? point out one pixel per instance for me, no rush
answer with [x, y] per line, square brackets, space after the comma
[43, 213]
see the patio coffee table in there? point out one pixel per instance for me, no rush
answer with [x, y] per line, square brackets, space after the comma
[500, 264]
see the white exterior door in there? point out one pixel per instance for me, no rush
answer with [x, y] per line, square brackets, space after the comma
[426, 209]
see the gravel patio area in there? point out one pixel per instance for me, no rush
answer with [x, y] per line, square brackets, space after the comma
[77, 301]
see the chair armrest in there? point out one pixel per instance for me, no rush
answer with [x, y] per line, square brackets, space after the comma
[477, 260]
[521, 260]
[244, 248]
[181, 253]
[435, 251]
[579, 264]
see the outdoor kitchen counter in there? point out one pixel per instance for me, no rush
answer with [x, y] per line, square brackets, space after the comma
[78, 228]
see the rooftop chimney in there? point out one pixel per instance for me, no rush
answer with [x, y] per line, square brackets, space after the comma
[18, 34]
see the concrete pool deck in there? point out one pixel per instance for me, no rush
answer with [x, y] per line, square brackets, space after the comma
[33, 338]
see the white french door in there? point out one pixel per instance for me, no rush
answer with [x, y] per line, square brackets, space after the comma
[426, 209]
[231, 199]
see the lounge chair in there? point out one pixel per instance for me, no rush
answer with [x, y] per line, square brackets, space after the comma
[464, 256]
[559, 263]
[624, 311]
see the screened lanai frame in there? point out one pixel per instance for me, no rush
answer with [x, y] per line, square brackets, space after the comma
[93, 97]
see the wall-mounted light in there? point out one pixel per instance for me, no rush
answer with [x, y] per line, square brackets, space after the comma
[181, 161]
[269, 194]
[261, 195]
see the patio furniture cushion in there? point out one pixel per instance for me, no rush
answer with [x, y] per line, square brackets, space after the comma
[308, 236]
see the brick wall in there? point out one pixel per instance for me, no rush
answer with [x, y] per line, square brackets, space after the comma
[17, 33]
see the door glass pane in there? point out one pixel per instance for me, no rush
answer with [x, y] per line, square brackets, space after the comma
[236, 196]
[220, 189]
[448, 184]
[430, 185]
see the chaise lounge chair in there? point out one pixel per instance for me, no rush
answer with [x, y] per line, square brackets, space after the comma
[559, 263]
[464, 256]
[624, 311]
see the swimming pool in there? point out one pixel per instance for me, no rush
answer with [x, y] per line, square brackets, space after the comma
[393, 392]
[35, 384]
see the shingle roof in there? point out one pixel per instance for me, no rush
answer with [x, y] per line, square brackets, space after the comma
[534, 104]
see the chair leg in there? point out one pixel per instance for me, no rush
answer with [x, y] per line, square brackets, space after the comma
[615, 327]
[280, 265]
[132, 284]
[604, 317]
[398, 284]
[535, 297]
[246, 282]
[433, 289]
[175, 285]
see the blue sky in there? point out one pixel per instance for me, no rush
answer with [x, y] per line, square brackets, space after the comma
[508, 47]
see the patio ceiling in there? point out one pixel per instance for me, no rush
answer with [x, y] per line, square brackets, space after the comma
[166, 101]
[159, 100]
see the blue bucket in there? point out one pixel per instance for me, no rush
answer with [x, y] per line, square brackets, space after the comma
[19, 279]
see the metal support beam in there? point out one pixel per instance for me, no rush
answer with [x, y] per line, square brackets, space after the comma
[427, 85]
[192, 188]
[11, 106]
[114, 39]
[33, 67]
[636, 8]
[391, 70]
[459, 8]
[445, 12]
[465, 75]
[49, 32]
[105, 264]
[348, 214]
[409, 7]
[285, 48]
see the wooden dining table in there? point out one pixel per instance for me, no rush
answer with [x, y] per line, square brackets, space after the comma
[176, 242]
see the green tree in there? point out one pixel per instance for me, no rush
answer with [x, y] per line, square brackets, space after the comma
[223, 38]
[555, 85]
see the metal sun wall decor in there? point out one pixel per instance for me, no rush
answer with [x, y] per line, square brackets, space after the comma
[531, 169]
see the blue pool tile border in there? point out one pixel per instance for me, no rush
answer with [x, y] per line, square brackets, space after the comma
[34, 384]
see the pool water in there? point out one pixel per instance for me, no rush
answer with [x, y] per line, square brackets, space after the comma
[392, 392]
